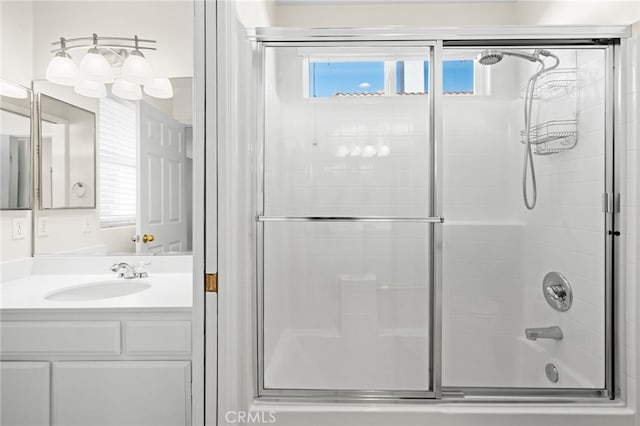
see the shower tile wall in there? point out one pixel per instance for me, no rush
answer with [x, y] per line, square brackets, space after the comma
[306, 176]
[565, 233]
[350, 158]
[483, 238]
[482, 270]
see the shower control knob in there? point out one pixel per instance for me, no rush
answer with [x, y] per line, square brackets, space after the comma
[557, 291]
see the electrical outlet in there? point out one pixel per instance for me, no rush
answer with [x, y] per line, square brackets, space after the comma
[86, 224]
[18, 228]
[43, 226]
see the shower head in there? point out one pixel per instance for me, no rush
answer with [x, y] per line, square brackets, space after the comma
[492, 56]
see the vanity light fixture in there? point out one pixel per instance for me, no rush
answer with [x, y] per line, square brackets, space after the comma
[94, 66]
[126, 90]
[159, 88]
[91, 89]
[61, 69]
[136, 69]
[109, 60]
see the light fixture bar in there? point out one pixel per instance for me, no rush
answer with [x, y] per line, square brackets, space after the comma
[102, 46]
[102, 42]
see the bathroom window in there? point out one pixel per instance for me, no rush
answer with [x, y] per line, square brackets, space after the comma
[346, 78]
[117, 127]
[407, 77]
[458, 77]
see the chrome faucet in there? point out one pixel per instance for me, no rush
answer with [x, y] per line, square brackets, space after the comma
[553, 332]
[128, 272]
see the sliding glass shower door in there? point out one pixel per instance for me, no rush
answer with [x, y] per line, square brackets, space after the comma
[346, 220]
[526, 273]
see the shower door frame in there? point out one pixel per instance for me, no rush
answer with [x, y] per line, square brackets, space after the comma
[433, 50]
[611, 48]
[608, 39]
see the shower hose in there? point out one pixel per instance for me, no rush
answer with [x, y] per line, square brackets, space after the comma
[528, 107]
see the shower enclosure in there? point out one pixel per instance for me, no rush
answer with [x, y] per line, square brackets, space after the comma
[394, 255]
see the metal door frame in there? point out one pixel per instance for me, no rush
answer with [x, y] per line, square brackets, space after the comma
[433, 52]
[526, 36]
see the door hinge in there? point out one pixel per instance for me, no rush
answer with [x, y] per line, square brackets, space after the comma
[211, 283]
[610, 203]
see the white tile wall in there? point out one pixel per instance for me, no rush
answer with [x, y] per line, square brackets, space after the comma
[565, 232]
[350, 157]
[483, 236]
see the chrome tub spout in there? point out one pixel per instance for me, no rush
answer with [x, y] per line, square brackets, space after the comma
[553, 332]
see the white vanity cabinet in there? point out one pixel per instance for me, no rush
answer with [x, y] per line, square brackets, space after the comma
[24, 393]
[94, 367]
[141, 393]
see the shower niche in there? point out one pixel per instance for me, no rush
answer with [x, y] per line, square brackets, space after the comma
[395, 257]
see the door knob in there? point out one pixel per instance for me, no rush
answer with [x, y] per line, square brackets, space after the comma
[147, 238]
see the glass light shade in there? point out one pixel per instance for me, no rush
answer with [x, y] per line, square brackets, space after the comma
[94, 67]
[369, 151]
[384, 151]
[62, 70]
[126, 90]
[136, 69]
[92, 89]
[12, 90]
[159, 88]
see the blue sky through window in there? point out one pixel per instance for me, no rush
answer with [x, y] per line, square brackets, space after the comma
[329, 78]
[457, 76]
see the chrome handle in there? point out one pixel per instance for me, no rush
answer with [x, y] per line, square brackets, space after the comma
[431, 219]
[556, 292]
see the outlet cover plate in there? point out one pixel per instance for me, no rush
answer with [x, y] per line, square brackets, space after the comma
[18, 229]
[43, 227]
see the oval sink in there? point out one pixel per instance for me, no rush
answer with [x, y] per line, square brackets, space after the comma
[97, 291]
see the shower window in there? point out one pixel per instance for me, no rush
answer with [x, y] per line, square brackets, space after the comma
[340, 78]
[458, 77]
[346, 78]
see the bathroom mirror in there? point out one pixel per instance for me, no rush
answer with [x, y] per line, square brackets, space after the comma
[66, 155]
[143, 175]
[15, 146]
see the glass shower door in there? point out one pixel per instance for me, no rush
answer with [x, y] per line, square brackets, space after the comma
[528, 311]
[345, 221]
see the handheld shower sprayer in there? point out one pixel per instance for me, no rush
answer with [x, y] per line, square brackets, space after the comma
[491, 57]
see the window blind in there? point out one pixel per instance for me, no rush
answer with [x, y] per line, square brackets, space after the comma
[118, 188]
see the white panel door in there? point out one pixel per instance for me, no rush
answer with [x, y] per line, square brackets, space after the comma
[162, 209]
[24, 393]
[121, 393]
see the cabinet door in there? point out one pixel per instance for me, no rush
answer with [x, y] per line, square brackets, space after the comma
[121, 393]
[24, 393]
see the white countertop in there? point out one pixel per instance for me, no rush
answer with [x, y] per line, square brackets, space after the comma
[166, 291]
